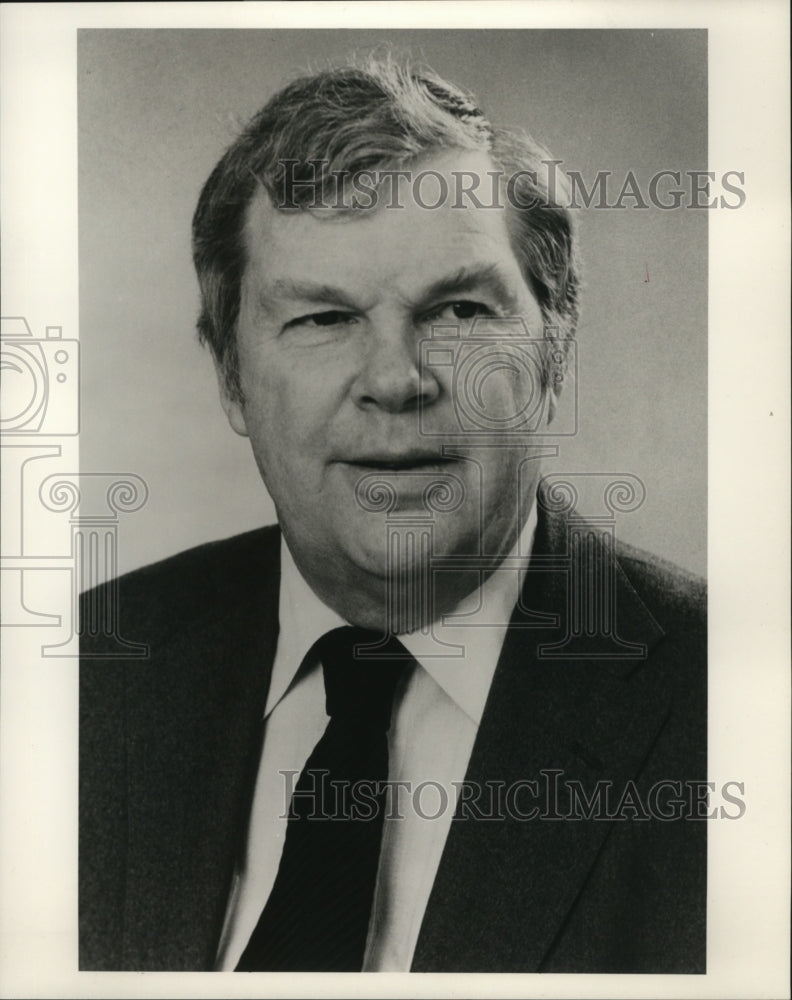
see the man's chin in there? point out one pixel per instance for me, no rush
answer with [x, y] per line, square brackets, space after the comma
[385, 576]
[371, 558]
[404, 544]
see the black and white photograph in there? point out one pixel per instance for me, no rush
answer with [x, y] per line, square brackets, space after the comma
[382, 511]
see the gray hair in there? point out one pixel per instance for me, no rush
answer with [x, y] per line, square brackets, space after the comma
[378, 116]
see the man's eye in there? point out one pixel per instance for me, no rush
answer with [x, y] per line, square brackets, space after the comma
[462, 310]
[331, 317]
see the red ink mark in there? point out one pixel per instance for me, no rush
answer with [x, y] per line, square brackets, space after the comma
[646, 279]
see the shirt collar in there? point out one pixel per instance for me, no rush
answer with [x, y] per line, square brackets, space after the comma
[303, 619]
[460, 651]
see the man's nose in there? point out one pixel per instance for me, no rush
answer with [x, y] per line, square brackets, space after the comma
[391, 377]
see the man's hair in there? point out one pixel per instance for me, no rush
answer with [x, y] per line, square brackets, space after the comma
[379, 116]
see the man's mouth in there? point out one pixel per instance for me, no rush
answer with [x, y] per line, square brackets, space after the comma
[401, 463]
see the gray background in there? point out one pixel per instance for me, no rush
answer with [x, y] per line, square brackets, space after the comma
[158, 107]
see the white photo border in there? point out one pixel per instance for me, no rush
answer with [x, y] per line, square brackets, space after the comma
[749, 891]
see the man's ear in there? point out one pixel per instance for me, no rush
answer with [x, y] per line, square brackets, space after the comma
[557, 373]
[552, 405]
[231, 403]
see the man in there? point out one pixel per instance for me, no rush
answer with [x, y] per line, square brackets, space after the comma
[390, 291]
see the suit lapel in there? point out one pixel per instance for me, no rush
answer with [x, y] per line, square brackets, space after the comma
[504, 888]
[189, 804]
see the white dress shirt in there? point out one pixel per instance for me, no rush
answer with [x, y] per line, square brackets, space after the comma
[437, 710]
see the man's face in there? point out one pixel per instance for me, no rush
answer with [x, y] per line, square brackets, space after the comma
[334, 309]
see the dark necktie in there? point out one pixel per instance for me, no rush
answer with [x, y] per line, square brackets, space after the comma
[317, 915]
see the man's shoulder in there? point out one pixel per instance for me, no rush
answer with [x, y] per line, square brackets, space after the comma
[670, 592]
[207, 566]
[245, 550]
[673, 592]
[181, 587]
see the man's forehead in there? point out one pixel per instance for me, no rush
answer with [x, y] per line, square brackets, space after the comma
[392, 236]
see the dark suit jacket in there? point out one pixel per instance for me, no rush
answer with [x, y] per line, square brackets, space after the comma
[170, 746]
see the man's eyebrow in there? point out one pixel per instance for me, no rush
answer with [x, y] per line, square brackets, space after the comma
[471, 278]
[466, 279]
[306, 291]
